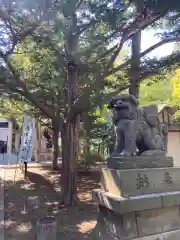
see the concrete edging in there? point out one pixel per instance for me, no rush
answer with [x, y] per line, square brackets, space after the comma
[47, 165]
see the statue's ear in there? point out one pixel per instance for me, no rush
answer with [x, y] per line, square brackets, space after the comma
[134, 99]
[152, 120]
[110, 105]
[165, 129]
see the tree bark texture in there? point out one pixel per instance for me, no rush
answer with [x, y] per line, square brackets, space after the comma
[70, 139]
[70, 131]
[135, 67]
[86, 149]
[136, 50]
[55, 136]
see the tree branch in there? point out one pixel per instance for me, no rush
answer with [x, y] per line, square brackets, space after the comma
[79, 4]
[21, 84]
[155, 67]
[47, 40]
[116, 53]
[4, 15]
[135, 27]
[147, 51]
[128, 33]
[45, 124]
[119, 89]
[21, 36]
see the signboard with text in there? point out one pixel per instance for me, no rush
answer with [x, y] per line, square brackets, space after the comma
[28, 135]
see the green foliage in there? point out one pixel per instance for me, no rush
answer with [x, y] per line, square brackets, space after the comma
[175, 96]
[155, 92]
[97, 124]
[14, 108]
[90, 159]
[90, 27]
[84, 33]
[176, 89]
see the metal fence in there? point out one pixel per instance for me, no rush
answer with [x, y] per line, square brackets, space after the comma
[8, 159]
[12, 158]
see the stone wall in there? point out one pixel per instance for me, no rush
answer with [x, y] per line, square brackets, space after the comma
[155, 224]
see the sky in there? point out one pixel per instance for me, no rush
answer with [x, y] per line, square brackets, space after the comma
[148, 39]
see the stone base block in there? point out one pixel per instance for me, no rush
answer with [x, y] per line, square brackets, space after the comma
[159, 224]
[140, 181]
[136, 203]
[100, 233]
[139, 162]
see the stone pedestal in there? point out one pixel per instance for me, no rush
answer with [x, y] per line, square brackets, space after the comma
[117, 162]
[46, 228]
[32, 202]
[141, 203]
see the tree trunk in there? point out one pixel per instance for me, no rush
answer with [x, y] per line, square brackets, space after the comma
[38, 142]
[136, 50]
[135, 67]
[87, 145]
[99, 148]
[55, 146]
[70, 138]
[70, 134]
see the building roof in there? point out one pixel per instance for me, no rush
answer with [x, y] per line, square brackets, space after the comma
[170, 110]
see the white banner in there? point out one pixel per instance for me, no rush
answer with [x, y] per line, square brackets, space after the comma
[28, 135]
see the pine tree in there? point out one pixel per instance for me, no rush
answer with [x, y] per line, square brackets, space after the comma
[85, 38]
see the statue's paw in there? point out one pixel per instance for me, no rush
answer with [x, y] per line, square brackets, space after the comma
[157, 153]
[125, 154]
[135, 154]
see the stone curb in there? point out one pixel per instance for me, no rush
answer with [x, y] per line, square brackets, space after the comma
[47, 165]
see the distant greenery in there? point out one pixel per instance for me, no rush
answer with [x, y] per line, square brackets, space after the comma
[175, 97]
[156, 92]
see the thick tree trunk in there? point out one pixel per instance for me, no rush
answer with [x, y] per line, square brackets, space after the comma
[136, 50]
[86, 145]
[38, 143]
[55, 146]
[99, 148]
[135, 68]
[70, 138]
[70, 133]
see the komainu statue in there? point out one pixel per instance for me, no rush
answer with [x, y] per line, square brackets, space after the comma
[138, 130]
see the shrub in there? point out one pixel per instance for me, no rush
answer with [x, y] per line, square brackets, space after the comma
[89, 159]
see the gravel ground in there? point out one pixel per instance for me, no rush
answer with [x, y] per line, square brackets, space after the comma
[73, 223]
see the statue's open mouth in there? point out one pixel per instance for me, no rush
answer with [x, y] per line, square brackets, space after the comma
[123, 106]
